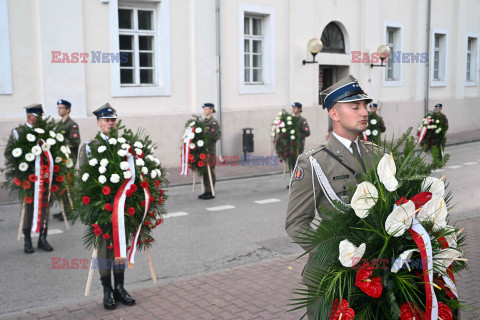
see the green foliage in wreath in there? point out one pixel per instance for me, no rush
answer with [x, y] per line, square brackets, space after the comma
[436, 131]
[199, 153]
[286, 137]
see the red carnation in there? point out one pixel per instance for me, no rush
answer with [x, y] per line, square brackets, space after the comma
[97, 231]
[159, 221]
[133, 187]
[17, 182]
[45, 168]
[157, 183]
[130, 211]
[95, 225]
[32, 178]
[202, 156]
[160, 200]
[144, 184]
[343, 311]
[26, 185]
[192, 160]
[160, 191]
[372, 287]
[106, 236]
[54, 188]
[191, 157]
[28, 200]
[106, 190]
[59, 179]
[56, 168]
[147, 223]
[108, 207]
[152, 213]
[110, 247]
[129, 193]
[86, 200]
[143, 203]
[201, 164]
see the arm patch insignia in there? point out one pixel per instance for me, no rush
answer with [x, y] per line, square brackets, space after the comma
[299, 173]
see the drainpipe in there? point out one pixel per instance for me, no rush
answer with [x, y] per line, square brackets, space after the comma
[427, 78]
[219, 76]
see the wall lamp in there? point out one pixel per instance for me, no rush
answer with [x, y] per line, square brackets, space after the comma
[314, 46]
[383, 53]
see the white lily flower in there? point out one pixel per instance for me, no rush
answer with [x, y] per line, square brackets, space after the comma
[103, 162]
[386, 172]
[127, 174]
[69, 163]
[39, 130]
[403, 259]
[29, 157]
[350, 255]
[364, 198]
[17, 152]
[101, 149]
[102, 179]
[200, 143]
[23, 166]
[114, 178]
[92, 162]
[400, 219]
[85, 177]
[124, 165]
[30, 137]
[60, 137]
[434, 185]
[112, 141]
[51, 141]
[434, 210]
[36, 150]
[445, 258]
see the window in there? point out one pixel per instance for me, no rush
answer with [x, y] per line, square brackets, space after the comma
[393, 65]
[439, 57]
[332, 39]
[436, 57]
[256, 49]
[5, 63]
[472, 60]
[253, 49]
[140, 32]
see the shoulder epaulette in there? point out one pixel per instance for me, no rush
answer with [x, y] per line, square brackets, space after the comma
[315, 150]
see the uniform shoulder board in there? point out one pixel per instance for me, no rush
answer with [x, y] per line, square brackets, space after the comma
[314, 150]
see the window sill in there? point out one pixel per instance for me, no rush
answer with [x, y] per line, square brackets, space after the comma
[256, 88]
[471, 84]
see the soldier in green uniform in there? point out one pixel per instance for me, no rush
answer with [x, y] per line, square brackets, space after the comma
[337, 165]
[33, 112]
[438, 111]
[71, 132]
[212, 128]
[302, 124]
[376, 124]
[107, 119]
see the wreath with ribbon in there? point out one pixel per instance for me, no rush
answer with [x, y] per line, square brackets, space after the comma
[119, 192]
[195, 147]
[432, 131]
[38, 165]
[286, 137]
[391, 253]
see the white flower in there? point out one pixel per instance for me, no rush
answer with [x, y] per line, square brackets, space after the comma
[364, 198]
[375, 132]
[138, 144]
[39, 130]
[292, 137]
[276, 122]
[386, 172]
[112, 141]
[289, 118]
[153, 174]
[69, 163]
[192, 145]
[125, 146]
[437, 121]
[156, 161]
[103, 162]
[277, 130]
[400, 219]
[102, 169]
[284, 130]
[289, 123]
[292, 131]
[373, 121]
[434, 210]
[93, 162]
[36, 150]
[149, 157]
[198, 130]
[368, 132]
[60, 137]
[445, 258]
[51, 141]
[23, 166]
[191, 135]
[273, 134]
[45, 147]
[152, 149]
[30, 137]
[349, 254]
[17, 152]
[115, 178]
[52, 134]
[438, 130]
[102, 179]
[68, 150]
[29, 157]
[58, 160]
[124, 165]
[85, 177]
[101, 149]
[403, 259]
[121, 140]
[434, 185]
[139, 162]
[282, 124]
[127, 174]
[64, 149]
[138, 151]
[159, 173]
[144, 170]
[280, 113]
[200, 143]
[122, 153]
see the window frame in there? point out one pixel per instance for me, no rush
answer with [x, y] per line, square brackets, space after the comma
[443, 57]
[251, 38]
[6, 86]
[474, 54]
[398, 46]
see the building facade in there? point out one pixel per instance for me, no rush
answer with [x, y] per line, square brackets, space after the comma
[158, 61]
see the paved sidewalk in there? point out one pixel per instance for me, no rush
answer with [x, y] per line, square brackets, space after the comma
[257, 291]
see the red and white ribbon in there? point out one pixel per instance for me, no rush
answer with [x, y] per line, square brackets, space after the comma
[364, 135]
[186, 150]
[131, 256]
[423, 132]
[449, 279]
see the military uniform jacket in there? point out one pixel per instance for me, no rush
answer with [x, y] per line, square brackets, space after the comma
[83, 156]
[212, 129]
[306, 195]
[303, 127]
[70, 130]
[444, 118]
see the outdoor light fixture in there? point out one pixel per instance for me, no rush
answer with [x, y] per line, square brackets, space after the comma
[383, 53]
[314, 46]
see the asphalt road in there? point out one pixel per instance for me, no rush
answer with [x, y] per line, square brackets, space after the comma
[199, 236]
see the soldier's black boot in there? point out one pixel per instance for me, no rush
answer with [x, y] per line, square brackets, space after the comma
[202, 195]
[28, 248]
[120, 294]
[208, 196]
[108, 300]
[42, 241]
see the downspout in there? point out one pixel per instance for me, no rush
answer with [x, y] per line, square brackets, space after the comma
[219, 74]
[427, 78]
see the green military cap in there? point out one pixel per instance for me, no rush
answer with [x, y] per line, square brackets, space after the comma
[345, 90]
[35, 109]
[106, 112]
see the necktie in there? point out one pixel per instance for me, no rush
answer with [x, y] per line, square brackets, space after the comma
[357, 155]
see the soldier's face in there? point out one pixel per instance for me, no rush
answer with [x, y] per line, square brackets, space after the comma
[106, 124]
[438, 109]
[350, 117]
[31, 118]
[296, 110]
[207, 111]
[373, 109]
[62, 110]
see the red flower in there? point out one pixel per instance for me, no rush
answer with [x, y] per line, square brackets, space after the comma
[95, 225]
[159, 221]
[63, 191]
[144, 184]
[407, 313]
[108, 207]
[192, 160]
[152, 213]
[17, 182]
[160, 191]
[130, 211]
[201, 163]
[129, 193]
[202, 156]
[106, 236]
[26, 185]
[128, 248]
[372, 287]
[160, 200]
[110, 247]
[56, 168]
[342, 311]
[97, 231]
[106, 190]
[28, 200]
[293, 144]
[444, 312]
[32, 178]
[86, 200]
[157, 183]
[133, 187]
[59, 179]
[147, 223]
[54, 188]
[191, 157]
[44, 168]
[143, 203]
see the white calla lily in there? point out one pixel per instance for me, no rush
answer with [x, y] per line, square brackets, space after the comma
[364, 198]
[403, 259]
[350, 255]
[386, 172]
[434, 210]
[434, 185]
[400, 219]
[445, 257]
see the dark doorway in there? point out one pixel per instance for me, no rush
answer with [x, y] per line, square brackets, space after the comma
[326, 77]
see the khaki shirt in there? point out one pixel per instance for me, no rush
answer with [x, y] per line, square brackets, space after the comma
[305, 192]
[70, 130]
[212, 128]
